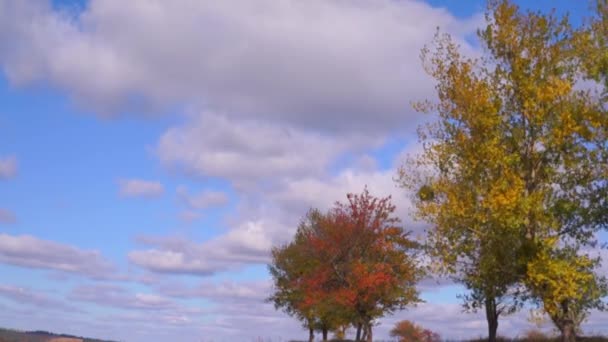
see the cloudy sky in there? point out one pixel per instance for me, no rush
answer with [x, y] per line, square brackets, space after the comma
[152, 152]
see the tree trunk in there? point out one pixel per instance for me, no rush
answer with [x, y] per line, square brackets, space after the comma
[492, 318]
[324, 334]
[358, 337]
[568, 331]
[311, 334]
[369, 333]
[565, 323]
[567, 326]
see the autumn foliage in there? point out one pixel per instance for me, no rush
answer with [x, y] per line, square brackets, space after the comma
[350, 265]
[407, 331]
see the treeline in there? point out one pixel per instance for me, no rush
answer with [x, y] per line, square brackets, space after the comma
[512, 181]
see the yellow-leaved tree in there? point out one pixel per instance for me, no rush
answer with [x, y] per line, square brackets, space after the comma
[513, 174]
[565, 285]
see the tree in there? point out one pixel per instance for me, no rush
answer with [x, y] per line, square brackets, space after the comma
[516, 162]
[491, 276]
[406, 331]
[369, 269]
[565, 285]
[286, 267]
[352, 264]
[291, 263]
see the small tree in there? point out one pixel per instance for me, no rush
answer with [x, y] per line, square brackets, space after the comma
[352, 264]
[368, 266]
[565, 285]
[406, 331]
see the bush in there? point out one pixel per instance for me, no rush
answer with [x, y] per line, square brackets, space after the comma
[406, 331]
[535, 335]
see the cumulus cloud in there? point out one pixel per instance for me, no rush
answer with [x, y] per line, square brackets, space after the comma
[31, 252]
[8, 167]
[173, 261]
[240, 321]
[188, 216]
[323, 64]
[257, 226]
[202, 200]
[7, 216]
[299, 194]
[248, 243]
[140, 188]
[227, 291]
[28, 296]
[116, 296]
[147, 311]
[246, 151]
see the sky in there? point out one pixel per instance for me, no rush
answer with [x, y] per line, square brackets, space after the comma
[152, 152]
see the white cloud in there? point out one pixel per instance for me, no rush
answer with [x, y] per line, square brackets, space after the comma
[115, 296]
[297, 196]
[8, 167]
[188, 216]
[226, 291]
[170, 261]
[265, 220]
[329, 65]
[23, 295]
[31, 252]
[248, 243]
[7, 216]
[202, 200]
[267, 217]
[140, 188]
[246, 151]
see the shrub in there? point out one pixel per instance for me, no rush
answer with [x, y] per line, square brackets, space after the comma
[406, 331]
[535, 335]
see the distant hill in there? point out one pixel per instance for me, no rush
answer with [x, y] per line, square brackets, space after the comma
[8, 335]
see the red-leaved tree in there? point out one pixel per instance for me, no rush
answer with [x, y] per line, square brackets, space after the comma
[360, 262]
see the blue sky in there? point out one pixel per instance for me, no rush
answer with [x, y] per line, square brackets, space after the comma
[151, 152]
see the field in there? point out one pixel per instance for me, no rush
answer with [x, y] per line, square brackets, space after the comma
[8, 335]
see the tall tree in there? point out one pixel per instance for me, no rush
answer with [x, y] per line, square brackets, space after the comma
[515, 163]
